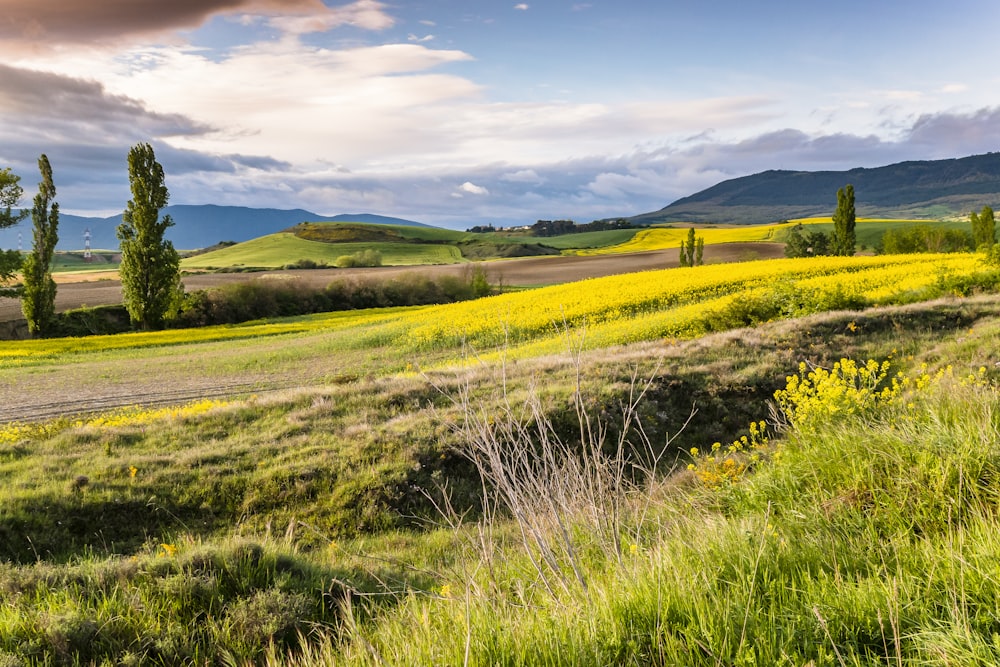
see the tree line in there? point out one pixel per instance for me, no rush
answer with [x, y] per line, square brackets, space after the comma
[842, 241]
[150, 266]
[904, 240]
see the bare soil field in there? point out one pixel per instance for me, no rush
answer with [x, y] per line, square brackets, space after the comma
[102, 288]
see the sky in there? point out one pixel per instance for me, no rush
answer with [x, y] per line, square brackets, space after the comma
[467, 112]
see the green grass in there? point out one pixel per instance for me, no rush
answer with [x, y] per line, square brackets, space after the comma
[346, 232]
[869, 539]
[869, 232]
[400, 245]
[323, 481]
[302, 506]
[277, 250]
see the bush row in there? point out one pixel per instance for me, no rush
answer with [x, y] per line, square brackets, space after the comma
[260, 299]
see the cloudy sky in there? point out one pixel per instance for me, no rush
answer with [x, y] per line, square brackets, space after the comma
[461, 112]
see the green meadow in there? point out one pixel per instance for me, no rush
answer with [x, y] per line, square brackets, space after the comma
[346, 489]
[414, 246]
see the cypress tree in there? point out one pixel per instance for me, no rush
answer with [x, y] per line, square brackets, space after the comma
[38, 302]
[150, 266]
[843, 223]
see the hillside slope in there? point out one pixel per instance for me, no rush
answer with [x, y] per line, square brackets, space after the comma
[924, 189]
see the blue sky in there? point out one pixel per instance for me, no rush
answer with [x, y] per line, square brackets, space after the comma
[461, 113]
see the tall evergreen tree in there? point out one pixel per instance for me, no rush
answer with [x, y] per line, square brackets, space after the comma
[38, 302]
[984, 228]
[844, 238]
[150, 266]
[10, 195]
[692, 250]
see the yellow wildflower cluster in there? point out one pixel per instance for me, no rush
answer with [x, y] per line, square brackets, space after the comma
[14, 432]
[724, 465]
[851, 389]
[139, 416]
[32, 351]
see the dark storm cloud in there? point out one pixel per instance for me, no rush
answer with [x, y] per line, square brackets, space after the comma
[43, 22]
[86, 132]
[958, 134]
[65, 105]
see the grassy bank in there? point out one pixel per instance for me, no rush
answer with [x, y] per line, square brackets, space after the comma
[325, 507]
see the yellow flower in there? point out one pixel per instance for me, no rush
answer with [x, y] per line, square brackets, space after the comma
[445, 591]
[169, 550]
[132, 470]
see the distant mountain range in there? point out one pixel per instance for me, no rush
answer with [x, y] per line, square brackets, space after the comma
[926, 189]
[194, 226]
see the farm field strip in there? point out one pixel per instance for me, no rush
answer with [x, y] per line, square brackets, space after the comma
[216, 361]
[664, 238]
[617, 300]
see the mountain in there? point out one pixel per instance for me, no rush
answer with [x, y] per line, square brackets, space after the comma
[194, 226]
[920, 189]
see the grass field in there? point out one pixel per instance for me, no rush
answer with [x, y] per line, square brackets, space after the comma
[277, 250]
[278, 495]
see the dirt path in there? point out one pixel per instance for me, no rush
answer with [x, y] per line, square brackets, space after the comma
[103, 288]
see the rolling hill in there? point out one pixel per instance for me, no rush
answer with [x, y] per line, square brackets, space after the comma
[194, 226]
[922, 189]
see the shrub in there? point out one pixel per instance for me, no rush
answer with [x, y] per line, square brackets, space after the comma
[260, 299]
[362, 258]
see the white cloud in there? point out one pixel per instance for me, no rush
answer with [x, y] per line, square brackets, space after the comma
[521, 7]
[366, 14]
[413, 38]
[522, 176]
[474, 189]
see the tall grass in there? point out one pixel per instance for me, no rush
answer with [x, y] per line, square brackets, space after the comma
[865, 539]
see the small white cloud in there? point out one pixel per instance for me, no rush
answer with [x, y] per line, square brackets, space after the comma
[523, 176]
[473, 189]
[521, 6]
[414, 38]
[427, 23]
[954, 88]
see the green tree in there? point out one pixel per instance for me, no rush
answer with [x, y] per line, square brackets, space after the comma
[150, 266]
[984, 228]
[817, 244]
[38, 301]
[10, 195]
[692, 250]
[844, 240]
[795, 243]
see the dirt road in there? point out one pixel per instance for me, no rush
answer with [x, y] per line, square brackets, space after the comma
[100, 289]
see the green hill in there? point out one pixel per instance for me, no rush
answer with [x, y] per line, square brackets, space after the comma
[919, 189]
[278, 250]
[399, 245]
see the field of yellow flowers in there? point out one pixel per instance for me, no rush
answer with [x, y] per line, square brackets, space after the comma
[670, 303]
